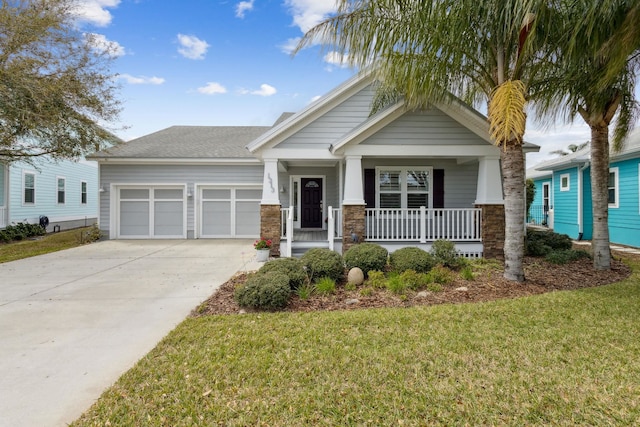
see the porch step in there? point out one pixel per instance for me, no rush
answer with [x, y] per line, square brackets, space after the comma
[301, 247]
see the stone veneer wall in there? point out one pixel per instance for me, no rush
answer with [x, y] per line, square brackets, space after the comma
[352, 222]
[270, 226]
[493, 230]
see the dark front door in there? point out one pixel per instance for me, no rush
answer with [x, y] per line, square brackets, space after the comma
[311, 203]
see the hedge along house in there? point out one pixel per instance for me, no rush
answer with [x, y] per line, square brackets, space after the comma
[570, 200]
[331, 175]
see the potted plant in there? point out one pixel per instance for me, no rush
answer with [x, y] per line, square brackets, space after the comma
[263, 248]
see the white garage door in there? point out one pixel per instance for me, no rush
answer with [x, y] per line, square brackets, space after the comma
[229, 212]
[151, 212]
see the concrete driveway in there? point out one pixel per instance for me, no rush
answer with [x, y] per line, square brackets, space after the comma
[73, 321]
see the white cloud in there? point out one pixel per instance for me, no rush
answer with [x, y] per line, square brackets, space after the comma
[315, 98]
[192, 47]
[242, 7]
[290, 45]
[101, 44]
[308, 13]
[265, 90]
[212, 88]
[335, 58]
[142, 80]
[95, 11]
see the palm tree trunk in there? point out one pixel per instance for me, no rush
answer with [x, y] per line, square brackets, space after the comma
[512, 158]
[600, 196]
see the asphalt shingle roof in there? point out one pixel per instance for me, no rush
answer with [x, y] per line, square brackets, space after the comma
[187, 142]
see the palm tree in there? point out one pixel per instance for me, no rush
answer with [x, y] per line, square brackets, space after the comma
[598, 86]
[477, 50]
[572, 148]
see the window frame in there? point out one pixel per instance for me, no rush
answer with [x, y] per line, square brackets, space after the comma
[404, 193]
[616, 188]
[84, 198]
[568, 186]
[64, 190]
[24, 188]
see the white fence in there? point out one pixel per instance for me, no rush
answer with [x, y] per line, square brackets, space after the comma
[422, 225]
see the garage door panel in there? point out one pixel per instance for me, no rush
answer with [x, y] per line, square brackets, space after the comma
[151, 212]
[168, 219]
[216, 218]
[134, 218]
[247, 218]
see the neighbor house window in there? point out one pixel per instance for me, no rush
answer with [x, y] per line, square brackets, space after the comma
[29, 188]
[612, 188]
[564, 182]
[409, 187]
[83, 193]
[61, 190]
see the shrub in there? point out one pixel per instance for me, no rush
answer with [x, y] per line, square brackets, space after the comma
[291, 267]
[434, 287]
[467, 273]
[305, 291]
[564, 256]
[268, 291]
[441, 275]
[411, 259]
[366, 256]
[21, 231]
[322, 262]
[541, 243]
[396, 285]
[376, 279]
[444, 253]
[325, 286]
[414, 280]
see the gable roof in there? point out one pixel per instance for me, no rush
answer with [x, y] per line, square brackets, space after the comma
[188, 142]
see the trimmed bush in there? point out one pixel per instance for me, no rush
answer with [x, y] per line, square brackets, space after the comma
[414, 280]
[366, 256]
[21, 231]
[291, 267]
[322, 262]
[441, 275]
[411, 259]
[268, 291]
[376, 279]
[444, 253]
[541, 243]
[565, 256]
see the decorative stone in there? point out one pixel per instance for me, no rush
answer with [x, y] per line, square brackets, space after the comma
[352, 301]
[242, 311]
[423, 294]
[355, 276]
[462, 289]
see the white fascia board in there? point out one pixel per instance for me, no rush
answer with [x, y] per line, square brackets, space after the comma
[316, 109]
[447, 150]
[179, 162]
[299, 154]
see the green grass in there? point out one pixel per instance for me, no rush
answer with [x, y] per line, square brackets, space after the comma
[52, 242]
[562, 358]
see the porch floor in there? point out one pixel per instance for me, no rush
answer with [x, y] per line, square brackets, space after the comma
[310, 235]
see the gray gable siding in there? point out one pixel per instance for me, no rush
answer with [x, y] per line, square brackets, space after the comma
[429, 127]
[175, 175]
[324, 131]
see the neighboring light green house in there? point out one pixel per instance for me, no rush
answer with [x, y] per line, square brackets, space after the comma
[328, 176]
[66, 192]
[569, 183]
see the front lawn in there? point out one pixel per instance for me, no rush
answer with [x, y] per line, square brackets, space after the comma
[561, 358]
[51, 242]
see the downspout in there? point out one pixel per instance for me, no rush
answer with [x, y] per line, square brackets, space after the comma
[581, 200]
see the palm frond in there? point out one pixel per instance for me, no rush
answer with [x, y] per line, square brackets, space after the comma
[507, 119]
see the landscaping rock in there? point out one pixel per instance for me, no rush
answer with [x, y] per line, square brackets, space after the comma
[462, 289]
[355, 276]
[423, 294]
[353, 301]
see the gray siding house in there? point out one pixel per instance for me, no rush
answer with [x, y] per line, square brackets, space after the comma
[331, 175]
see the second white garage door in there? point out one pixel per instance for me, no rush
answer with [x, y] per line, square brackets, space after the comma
[229, 212]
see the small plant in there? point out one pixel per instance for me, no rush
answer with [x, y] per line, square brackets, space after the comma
[350, 287]
[411, 258]
[291, 267]
[366, 292]
[565, 256]
[376, 279]
[445, 254]
[262, 243]
[414, 280]
[322, 262]
[434, 287]
[467, 273]
[325, 286]
[396, 285]
[305, 291]
[366, 256]
[91, 235]
[268, 291]
[441, 275]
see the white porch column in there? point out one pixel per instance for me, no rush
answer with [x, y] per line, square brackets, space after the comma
[353, 188]
[489, 191]
[270, 195]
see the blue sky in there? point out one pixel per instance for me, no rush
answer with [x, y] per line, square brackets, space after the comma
[228, 62]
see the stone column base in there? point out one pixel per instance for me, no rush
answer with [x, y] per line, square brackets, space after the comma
[353, 222]
[493, 230]
[270, 226]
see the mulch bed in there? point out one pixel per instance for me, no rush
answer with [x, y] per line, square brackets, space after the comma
[487, 286]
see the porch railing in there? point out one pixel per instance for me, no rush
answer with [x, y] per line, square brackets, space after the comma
[422, 224]
[537, 215]
[3, 217]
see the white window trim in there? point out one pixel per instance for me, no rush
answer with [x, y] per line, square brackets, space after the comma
[616, 172]
[58, 178]
[298, 179]
[84, 192]
[403, 184]
[35, 177]
[568, 187]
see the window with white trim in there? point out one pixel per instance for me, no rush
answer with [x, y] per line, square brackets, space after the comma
[404, 187]
[28, 188]
[612, 188]
[565, 182]
[61, 189]
[83, 192]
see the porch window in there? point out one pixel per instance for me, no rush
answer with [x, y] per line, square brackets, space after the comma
[612, 188]
[409, 187]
